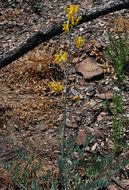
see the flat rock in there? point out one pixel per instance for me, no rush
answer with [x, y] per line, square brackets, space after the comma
[94, 147]
[89, 69]
[101, 116]
[71, 123]
[112, 187]
[74, 91]
[104, 96]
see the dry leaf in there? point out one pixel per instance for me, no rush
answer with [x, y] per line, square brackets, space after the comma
[81, 137]
[121, 24]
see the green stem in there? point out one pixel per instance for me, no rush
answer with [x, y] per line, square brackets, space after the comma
[65, 98]
[65, 118]
[65, 111]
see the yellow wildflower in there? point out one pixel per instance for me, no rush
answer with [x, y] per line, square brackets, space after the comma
[57, 58]
[64, 56]
[66, 27]
[61, 57]
[71, 10]
[79, 41]
[77, 97]
[71, 13]
[56, 86]
[72, 20]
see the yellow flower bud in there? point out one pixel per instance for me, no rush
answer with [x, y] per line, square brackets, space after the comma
[66, 27]
[78, 19]
[79, 41]
[71, 13]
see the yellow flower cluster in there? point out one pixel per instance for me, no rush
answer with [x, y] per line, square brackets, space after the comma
[79, 41]
[73, 20]
[61, 57]
[56, 86]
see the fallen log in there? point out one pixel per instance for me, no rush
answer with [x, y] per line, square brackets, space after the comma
[57, 29]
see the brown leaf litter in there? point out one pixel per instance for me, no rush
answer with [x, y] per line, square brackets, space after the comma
[27, 81]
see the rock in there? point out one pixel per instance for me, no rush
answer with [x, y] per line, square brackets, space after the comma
[86, 4]
[78, 119]
[71, 123]
[89, 131]
[72, 78]
[125, 183]
[98, 44]
[101, 116]
[112, 187]
[93, 148]
[91, 103]
[90, 91]
[105, 96]
[89, 69]
[75, 60]
[126, 155]
[81, 29]
[102, 144]
[91, 94]
[73, 91]
[98, 133]
[116, 89]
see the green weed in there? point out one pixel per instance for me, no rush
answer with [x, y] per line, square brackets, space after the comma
[76, 170]
[117, 54]
[119, 121]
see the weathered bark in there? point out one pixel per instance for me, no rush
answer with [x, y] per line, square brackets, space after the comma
[57, 29]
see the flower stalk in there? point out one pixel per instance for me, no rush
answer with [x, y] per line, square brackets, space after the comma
[65, 96]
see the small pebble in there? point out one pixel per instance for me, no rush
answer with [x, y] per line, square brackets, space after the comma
[81, 29]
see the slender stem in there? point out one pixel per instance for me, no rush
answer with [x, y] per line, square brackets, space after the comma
[65, 97]
[65, 117]
[65, 109]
